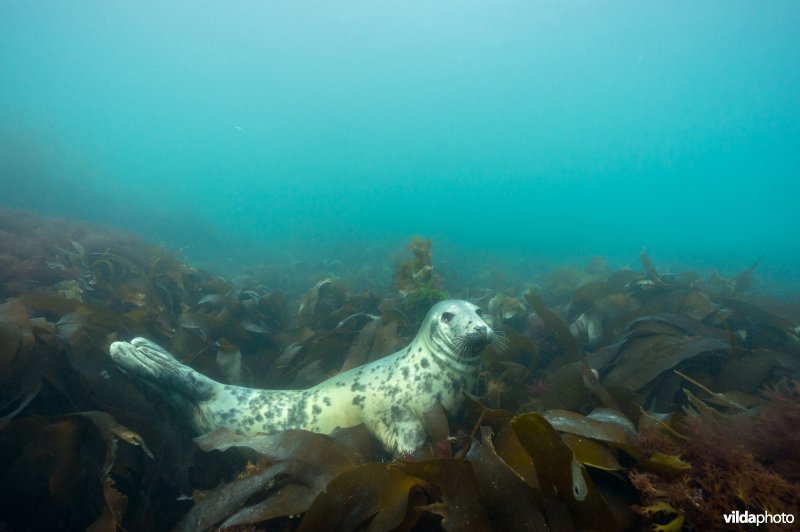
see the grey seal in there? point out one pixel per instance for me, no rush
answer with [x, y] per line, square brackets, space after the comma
[389, 395]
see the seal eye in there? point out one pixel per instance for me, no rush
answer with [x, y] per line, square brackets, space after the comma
[447, 316]
[479, 312]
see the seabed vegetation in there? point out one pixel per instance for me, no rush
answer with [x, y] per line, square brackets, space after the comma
[627, 399]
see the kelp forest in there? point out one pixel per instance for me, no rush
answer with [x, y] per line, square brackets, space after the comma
[622, 399]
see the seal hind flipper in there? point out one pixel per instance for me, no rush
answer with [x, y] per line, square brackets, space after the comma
[149, 362]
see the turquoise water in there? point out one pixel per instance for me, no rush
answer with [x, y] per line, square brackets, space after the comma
[505, 129]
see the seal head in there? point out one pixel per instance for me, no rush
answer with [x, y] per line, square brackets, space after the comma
[456, 333]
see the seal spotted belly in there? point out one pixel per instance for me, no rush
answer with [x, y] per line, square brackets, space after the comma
[388, 395]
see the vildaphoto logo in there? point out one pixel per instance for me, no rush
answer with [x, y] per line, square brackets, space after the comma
[742, 518]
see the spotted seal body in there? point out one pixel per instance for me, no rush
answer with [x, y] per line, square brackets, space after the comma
[388, 395]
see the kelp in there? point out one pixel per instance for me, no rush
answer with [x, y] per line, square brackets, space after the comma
[477, 492]
[376, 339]
[737, 284]
[18, 386]
[527, 445]
[509, 499]
[594, 292]
[601, 403]
[293, 463]
[319, 303]
[557, 326]
[72, 462]
[567, 490]
[380, 496]
[504, 385]
[641, 360]
[592, 454]
[292, 468]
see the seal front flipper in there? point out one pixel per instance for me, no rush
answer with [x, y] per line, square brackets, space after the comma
[400, 431]
[149, 362]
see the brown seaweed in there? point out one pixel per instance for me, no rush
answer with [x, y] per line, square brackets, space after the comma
[292, 469]
[566, 488]
[382, 495]
[508, 498]
[84, 446]
[729, 467]
[558, 327]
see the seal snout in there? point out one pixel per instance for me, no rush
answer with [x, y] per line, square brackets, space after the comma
[482, 332]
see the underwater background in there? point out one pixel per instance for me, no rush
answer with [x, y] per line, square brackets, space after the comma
[507, 132]
[278, 192]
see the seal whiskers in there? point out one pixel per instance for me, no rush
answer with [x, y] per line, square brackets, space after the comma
[500, 341]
